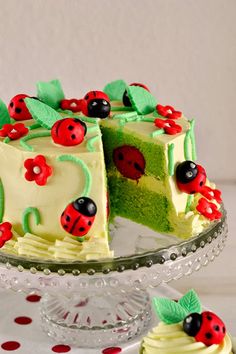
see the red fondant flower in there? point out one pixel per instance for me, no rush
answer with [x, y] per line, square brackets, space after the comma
[207, 209]
[5, 233]
[73, 105]
[168, 112]
[168, 125]
[210, 194]
[14, 131]
[37, 170]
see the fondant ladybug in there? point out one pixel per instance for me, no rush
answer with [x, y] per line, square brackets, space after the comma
[18, 109]
[68, 131]
[129, 161]
[96, 104]
[78, 217]
[190, 177]
[126, 100]
[205, 327]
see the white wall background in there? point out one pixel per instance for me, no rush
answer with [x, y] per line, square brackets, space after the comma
[184, 50]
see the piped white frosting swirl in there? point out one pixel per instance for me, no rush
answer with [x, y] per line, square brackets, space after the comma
[171, 339]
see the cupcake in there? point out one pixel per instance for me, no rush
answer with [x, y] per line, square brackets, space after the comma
[184, 328]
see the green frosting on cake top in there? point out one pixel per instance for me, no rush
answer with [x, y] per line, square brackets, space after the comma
[50, 93]
[115, 90]
[42, 113]
[142, 100]
[170, 311]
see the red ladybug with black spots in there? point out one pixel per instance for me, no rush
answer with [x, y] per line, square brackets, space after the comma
[79, 216]
[69, 131]
[126, 100]
[206, 327]
[96, 104]
[17, 108]
[129, 161]
[190, 177]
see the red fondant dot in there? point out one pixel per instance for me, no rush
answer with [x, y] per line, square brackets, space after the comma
[112, 350]
[9, 346]
[33, 298]
[23, 320]
[61, 348]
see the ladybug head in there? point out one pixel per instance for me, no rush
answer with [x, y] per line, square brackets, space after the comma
[85, 206]
[190, 177]
[96, 104]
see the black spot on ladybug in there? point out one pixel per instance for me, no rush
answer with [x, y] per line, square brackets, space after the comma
[11, 104]
[208, 335]
[193, 192]
[138, 168]
[21, 100]
[223, 329]
[216, 328]
[70, 127]
[65, 226]
[73, 136]
[201, 183]
[89, 223]
[18, 110]
[209, 317]
[86, 97]
[81, 229]
[67, 218]
[120, 156]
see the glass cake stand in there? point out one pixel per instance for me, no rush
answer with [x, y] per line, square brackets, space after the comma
[103, 303]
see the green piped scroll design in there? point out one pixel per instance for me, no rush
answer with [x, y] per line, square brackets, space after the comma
[25, 218]
[121, 109]
[23, 141]
[2, 201]
[157, 132]
[189, 203]
[192, 137]
[187, 140]
[34, 126]
[90, 143]
[82, 164]
[171, 165]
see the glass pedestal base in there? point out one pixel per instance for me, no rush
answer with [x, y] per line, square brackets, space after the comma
[99, 319]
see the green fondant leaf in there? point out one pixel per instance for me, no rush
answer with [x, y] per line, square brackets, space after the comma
[115, 90]
[169, 311]
[191, 302]
[4, 114]
[142, 100]
[43, 114]
[50, 93]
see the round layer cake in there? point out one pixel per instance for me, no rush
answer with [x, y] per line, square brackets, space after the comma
[70, 166]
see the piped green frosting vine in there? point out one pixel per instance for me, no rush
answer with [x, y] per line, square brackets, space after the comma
[2, 201]
[82, 164]
[171, 159]
[25, 218]
[170, 311]
[23, 141]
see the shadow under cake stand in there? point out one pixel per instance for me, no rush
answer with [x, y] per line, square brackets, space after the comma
[103, 303]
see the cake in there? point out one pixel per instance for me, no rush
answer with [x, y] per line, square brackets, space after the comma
[70, 166]
[184, 328]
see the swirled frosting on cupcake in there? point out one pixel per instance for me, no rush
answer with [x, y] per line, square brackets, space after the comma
[171, 339]
[184, 329]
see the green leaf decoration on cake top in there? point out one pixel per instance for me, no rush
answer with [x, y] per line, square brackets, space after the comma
[42, 113]
[50, 93]
[115, 90]
[170, 311]
[4, 114]
[142, 100]
[191, 302]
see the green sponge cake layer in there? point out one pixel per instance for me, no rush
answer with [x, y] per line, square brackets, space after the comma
[139, 204]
